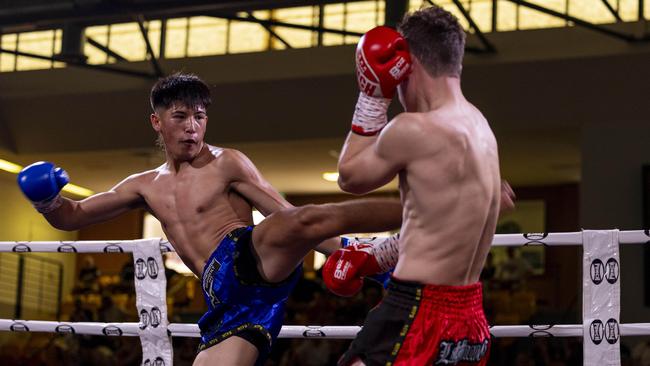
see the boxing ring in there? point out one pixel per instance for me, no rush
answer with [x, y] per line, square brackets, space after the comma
[600, 329]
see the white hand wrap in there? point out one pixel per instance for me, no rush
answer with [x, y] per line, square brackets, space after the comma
[384, 249]
[370, 115]
[48, 206]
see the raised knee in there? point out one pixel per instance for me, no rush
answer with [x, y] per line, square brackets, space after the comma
[311, 216]
[304, 221]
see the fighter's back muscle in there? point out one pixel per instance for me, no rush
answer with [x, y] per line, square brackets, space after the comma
[450, 194]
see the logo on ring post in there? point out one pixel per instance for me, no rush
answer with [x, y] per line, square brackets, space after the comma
[19, 327]
[156, 317]
[145, 320]
[140, 269]
[111, 330]
[535, 238]
[152, 268]
[159, 361]
[597, 271]
[113, 248]
[313, 332]
[21, 248]
[612, 331]
[612, 270]
[64, 329]
[596, 331]
[66, 248]
[540, 330]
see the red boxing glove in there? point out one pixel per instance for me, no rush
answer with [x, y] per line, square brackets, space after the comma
[344, 270]
[383, 61]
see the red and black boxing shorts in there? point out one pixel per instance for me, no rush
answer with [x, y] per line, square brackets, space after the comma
[419, 324]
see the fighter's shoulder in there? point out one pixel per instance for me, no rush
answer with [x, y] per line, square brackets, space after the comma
[147, 175]
[225, 153]
[406, 117]
[406, 126]
[139, 180]
[227, 157]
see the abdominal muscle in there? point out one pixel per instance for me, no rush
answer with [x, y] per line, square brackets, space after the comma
[195, 235]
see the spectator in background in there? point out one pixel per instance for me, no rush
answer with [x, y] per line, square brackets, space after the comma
[641, 353]
[126, 278]
[514, 271]
[80, 313]
[88, 280]
[108, 312]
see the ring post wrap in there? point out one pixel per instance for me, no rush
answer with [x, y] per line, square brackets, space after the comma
[601, 298]
[151, 301]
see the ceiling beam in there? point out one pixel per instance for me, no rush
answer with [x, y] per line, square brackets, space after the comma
[21, 19]
[82, 64]
[613, 11]
[105, 49]
[488, 46]
[145, 36]
[578, 21]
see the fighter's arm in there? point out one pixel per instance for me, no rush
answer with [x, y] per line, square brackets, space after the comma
[249, 182]
[382, 63]
[100, 207]
[369, 162]
[41, 183]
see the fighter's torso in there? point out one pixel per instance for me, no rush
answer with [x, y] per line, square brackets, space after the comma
[450, 195]
[196, 207]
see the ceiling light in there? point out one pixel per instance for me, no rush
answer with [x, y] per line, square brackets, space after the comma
[331, 176]
[79, 191]
[10, 167]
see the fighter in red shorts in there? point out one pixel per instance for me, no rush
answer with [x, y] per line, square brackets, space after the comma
[445, 155]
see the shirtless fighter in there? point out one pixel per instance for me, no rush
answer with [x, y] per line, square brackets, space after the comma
[203, 196]
[445, 155]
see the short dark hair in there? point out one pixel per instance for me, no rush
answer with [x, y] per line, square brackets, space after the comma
[187, 89]
[436, 39]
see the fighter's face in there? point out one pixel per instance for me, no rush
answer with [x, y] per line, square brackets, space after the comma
[182, 129]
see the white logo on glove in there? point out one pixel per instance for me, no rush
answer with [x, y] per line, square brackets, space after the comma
[398, 70]
[341, 273]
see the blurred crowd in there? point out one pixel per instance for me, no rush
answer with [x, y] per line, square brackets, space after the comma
[508, 300]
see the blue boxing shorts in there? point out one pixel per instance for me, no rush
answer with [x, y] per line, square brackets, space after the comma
[240, 302]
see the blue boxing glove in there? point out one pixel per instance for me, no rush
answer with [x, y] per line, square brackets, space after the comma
[41, 182]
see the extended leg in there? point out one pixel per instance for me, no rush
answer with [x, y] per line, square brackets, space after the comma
[233, 351]
[285, 237]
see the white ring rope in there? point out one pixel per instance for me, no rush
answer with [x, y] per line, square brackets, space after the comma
[601, 299]
[120, 246]
[295, 331]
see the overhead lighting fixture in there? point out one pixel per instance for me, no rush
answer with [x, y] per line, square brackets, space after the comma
[10, 167]
[331, 176]
[79, 191]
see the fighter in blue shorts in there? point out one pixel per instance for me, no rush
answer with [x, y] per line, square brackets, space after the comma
[203, 195]
[240, 302]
